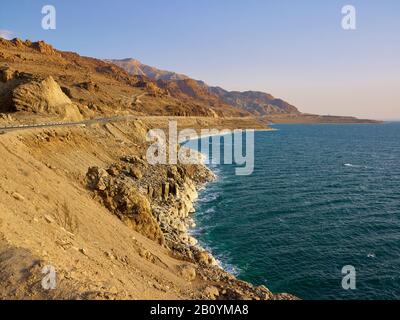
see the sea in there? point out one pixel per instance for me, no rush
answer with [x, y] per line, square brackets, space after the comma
[318, 218]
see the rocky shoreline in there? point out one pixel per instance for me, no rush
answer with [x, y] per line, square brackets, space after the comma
[158, 201]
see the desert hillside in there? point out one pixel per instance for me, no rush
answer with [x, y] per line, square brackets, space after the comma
[90, 88]
[85, 201]
[78, 195]
[95, 87]
[180, 86]
[258, 104]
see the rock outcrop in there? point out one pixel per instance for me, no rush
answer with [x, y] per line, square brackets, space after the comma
[39, 46]
[6, 86]
[122, 198]
[44, 96]
[24, 92]
[156, 201]
[181, 86]
[43, 47]
[6, 74]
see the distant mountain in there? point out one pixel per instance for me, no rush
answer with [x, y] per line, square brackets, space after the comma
[181, 86]
[101, 88]
[97, 87]
[135, 67]
[256, 102]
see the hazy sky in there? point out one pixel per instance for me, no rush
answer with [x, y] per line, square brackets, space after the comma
[293, 49]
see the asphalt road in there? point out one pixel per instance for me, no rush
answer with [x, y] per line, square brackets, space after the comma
[5, 129]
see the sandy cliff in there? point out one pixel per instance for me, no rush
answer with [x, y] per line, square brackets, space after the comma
[84, 201]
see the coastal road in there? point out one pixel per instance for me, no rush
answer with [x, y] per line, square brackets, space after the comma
[9, 128]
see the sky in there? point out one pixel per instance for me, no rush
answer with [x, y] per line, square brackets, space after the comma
[294, 49]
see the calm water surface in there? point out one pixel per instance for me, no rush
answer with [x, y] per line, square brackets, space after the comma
[321, 197]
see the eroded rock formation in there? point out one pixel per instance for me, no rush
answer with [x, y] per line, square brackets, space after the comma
[122, 198]
[155, 201]
[24, 92]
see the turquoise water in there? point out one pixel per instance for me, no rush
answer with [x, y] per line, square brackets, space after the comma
[321, 197]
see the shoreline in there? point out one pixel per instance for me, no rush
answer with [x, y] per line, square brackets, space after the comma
[123, 195]
[216, 262]
[203, 247]
[202, 136]
[179, 210]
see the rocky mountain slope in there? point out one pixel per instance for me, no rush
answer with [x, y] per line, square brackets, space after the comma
[257, 103]
[101, 88]
[85, 202]
[254, 102]
[135, 67]
[95, 87]
[30, 94]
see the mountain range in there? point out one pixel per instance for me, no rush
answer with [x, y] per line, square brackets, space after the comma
[102, 88]
[183, 87]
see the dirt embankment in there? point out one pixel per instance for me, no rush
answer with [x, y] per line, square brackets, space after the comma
[115, 231]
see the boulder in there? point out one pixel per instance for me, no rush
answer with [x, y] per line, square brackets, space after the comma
[211, 292]
[203, 257]
[192, 241]
[97, 179]
[6, 74]
[136, 173]
[187, 272]
[89, 86]
[114, 170]
[44, 96]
